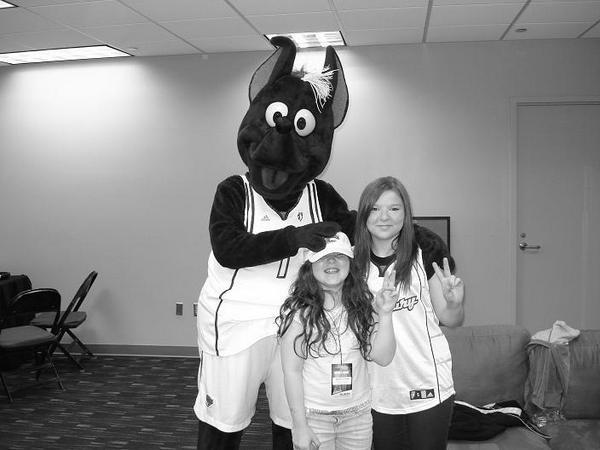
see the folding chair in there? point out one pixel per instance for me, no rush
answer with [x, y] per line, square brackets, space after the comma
[70, 319]
[26, 347]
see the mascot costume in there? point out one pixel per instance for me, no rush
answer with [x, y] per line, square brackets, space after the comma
[258, 223]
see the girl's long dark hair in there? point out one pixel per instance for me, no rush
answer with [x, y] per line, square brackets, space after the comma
[405, 245]
[306, 304]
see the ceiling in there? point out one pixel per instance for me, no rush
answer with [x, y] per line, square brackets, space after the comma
[170, 27]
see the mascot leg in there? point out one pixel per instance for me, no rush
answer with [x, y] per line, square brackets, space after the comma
[211, 438]
[282, 437]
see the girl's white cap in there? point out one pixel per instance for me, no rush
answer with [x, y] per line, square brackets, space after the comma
[339, 243]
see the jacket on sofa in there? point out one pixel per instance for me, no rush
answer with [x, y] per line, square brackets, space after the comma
[472, 423]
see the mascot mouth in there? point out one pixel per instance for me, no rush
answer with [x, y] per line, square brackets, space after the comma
[273, 179]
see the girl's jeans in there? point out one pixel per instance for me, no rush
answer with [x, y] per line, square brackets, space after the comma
[343, 430]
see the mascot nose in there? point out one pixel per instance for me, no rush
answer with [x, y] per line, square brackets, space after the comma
[283, 125]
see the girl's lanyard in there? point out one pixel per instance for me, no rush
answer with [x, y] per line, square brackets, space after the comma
[341, 374]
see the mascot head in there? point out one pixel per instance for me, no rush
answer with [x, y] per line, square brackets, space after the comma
[285, 137]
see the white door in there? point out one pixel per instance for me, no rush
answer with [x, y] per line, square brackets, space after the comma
[558, 209]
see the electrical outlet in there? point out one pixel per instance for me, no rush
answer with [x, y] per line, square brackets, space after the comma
[195, 309]
[179, 309]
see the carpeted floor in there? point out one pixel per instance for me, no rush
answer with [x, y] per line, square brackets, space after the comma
[116, 403]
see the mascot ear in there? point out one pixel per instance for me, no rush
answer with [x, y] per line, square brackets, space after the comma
[339, 102]
[280, 63]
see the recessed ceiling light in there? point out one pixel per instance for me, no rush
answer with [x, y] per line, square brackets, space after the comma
[61, 54]
[314, 39]
[6, 5]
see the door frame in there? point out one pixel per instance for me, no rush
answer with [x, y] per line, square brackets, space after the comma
[515, 103]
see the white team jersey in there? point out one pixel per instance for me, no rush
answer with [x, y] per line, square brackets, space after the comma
[420, 375]
[237, 307]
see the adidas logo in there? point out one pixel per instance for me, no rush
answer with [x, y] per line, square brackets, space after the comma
[422, 394]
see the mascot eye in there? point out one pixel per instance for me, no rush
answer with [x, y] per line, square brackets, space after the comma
[304, 122]
[274, 110]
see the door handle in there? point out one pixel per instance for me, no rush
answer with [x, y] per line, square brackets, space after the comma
[524, 246]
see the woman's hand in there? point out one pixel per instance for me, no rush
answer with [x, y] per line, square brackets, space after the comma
[304, 438]
[386, 297]
[453, 287]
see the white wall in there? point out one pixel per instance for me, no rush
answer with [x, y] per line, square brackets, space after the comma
[112, 165]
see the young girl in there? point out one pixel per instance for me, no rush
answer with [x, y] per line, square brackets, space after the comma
[413, 396]
[329, 326]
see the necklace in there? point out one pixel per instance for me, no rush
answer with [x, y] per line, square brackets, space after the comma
[335, 330]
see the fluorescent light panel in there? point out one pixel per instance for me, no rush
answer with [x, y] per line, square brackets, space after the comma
[6, 5]
[61, 54]
[314, 39]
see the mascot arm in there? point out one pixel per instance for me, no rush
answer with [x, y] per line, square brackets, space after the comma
[433, 248]
[232, 245]
[335, 209]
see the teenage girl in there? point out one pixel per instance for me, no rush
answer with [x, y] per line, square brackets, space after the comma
[413, 396]
[329, 326]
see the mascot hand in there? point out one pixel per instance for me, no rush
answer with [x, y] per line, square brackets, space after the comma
[312, 236]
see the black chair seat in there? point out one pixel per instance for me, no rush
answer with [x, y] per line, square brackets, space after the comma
[73, 320]
[24, 347]
[24, 336]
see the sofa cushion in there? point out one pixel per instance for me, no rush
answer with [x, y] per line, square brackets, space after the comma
[574, 434]
[510, 439]
[489, 363]
[583, 393]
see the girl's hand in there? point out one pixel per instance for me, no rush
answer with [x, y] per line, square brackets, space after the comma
[385, 299]
[453, 287]
[304, 438]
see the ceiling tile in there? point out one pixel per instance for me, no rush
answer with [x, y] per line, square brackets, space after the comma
[30, 3]
[269, 7]
[233, 44]
[387, 36]
[17, 20]
[9, 44]
[481, 14]
[217, 28]
[548, 30]
[161, 10]
[594, 32]
[55, 39]
[130, 35]
[344, 5]
[465, 33]
[163, 48]
[91, 14]
[383, 18]
[294, 23]
[477, 2]
[546, 12]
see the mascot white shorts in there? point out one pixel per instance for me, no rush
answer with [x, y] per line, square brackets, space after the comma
[228, 387]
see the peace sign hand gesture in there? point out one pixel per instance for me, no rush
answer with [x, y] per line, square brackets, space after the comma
[386, 297]
[453, 287]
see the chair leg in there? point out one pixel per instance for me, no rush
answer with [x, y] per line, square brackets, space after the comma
[71, 357]
[5, 386]
[80, 344]
[60, 385]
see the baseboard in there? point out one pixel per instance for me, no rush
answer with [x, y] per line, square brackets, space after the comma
[142, 350]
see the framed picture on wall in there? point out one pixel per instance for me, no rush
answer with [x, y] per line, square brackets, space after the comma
[438, 224]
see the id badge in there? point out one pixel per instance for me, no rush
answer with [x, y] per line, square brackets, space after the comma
[341, 380]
